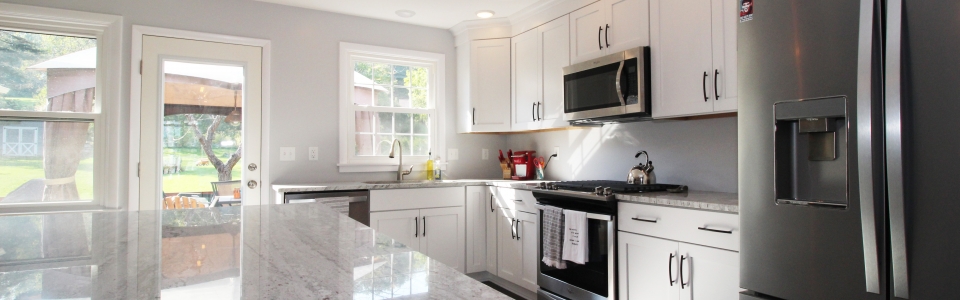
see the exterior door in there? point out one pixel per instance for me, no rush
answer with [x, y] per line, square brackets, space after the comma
[649, 267]
[402, 225]
[709, 273]
[509, 250]
[200, 118]
[682, 62]
[442, 235]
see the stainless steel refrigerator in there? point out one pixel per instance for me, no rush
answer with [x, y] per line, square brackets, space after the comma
[849, 149]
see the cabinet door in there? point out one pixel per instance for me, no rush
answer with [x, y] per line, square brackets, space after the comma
[477, 228]
[402, 226]
[442, 235]
[526, 80]
[529, 237]
[709, 273]
[509, 250]
[492, 234]
[490, 85]
[555, 51]
[629, 22]
[726, 15]
[645, 265]
[586, 36]
[682, 57]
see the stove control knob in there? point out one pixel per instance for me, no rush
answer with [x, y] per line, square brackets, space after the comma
[542, 185]
[552, 186]
[607, 191]
[598, 191]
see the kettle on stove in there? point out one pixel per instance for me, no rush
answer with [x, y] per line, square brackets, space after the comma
[642, 173]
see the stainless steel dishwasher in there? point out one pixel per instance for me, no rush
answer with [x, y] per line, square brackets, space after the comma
[355, 204]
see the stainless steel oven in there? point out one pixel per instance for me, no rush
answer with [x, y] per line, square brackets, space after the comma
[613, 88]
[596, 279]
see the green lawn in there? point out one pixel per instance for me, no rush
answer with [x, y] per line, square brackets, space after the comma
[16, 171]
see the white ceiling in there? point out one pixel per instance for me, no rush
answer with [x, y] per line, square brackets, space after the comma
[433, 13]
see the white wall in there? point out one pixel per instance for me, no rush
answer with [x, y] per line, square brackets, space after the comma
[701, 154]
[304, 73]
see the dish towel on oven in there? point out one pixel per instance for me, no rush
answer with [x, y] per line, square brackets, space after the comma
[575, 236]
[553, 237]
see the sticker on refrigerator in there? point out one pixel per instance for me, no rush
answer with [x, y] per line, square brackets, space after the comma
[746, 10]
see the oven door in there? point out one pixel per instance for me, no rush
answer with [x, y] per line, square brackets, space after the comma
[594, 280]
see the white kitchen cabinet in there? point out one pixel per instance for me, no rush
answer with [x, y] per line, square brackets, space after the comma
[402, 225]
[608, 26]
[437, 232]
[528, 228]
[509, 250]
[693, 45]
[555, 54]
[527, 83]
[709, 273]
[477, 211]
[483, 98]
[650, 268]
[645, 264]
[492, 214]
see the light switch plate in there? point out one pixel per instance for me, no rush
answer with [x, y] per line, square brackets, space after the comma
[485, 154]
[314, 153]
[452, 155]
[288, 153]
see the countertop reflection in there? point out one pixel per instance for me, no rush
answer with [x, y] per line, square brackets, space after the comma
[294, 251]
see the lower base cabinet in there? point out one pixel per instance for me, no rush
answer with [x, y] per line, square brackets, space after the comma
[518, 247]
[435, 232]
[654, 268]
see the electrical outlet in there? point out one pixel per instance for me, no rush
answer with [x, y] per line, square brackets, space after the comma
[314, 153]
[485, 154]
[288, 153]
[556, 150]
[452, 155]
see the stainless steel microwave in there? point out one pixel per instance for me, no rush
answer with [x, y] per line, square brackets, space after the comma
[610, 89]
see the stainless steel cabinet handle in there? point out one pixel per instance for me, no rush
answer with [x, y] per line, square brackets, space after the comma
[705, 97]
[416, 227]
[424, 226]
[606, 36]
[716, 90]
[599, 33]
[645, 220]
[716, 230]
[682, 283]
[670, 269]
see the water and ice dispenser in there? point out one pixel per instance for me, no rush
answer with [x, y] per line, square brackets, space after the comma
[811, 154]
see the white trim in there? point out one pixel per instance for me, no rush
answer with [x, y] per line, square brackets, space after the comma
[136, 53]
[436, 86]
[108, 30]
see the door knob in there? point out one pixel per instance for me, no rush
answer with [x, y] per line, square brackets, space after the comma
[252, 184]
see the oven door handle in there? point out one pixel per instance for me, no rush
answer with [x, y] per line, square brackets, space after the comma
[593, 216]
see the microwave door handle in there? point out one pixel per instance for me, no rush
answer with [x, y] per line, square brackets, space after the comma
[623, 104]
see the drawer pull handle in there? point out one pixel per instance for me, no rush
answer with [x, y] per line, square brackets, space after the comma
[521, 200]
[645, 220]
[716, 230]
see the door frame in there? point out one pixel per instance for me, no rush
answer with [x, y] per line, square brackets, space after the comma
[136, 55]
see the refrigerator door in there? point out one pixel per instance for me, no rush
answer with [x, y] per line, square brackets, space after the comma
[930, 78]
[802, 49]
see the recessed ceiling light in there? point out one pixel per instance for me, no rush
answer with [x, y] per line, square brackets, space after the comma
[403, 13]
[483, 14]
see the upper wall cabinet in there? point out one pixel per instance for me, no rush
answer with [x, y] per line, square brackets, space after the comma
[608, 26]
[538, 58]
[483, 80]
[694, 65]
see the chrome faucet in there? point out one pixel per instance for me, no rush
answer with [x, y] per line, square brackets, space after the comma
[400, 171]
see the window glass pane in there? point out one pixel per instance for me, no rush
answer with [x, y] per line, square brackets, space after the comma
[418, 98]
[363, 94]
[401, 97]
[402, 122]
[382, 95]
[421, 123]
[400, 75]
[384, 122]
[364, 144]
[46, 161]
[421, 145]
[405, 142]
[383, 144]
[364, 120]
[417, 77]
[382, 73]
[35, 68]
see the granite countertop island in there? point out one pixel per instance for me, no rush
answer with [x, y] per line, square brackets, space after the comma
[295, 251]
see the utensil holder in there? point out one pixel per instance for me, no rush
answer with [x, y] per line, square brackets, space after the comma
[506, 170]
[539, 174]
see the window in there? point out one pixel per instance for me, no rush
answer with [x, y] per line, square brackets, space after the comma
[386, 95]
[53, 93]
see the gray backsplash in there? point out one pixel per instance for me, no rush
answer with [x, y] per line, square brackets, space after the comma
[699, 153]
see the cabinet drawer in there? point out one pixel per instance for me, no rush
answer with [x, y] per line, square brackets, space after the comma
[383, 200]
[521, 200]
[684, 225]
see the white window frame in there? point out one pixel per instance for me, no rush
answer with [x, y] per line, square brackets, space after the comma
[108, 30]
[434, 62]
